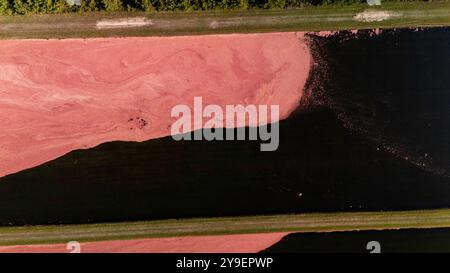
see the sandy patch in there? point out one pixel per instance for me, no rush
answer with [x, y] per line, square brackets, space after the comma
[61, 95]
[123, 23]
[214, 24]
[375, 16]
[241, 243]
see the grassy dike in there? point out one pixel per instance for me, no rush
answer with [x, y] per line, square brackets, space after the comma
[312, 222]
[83, 25]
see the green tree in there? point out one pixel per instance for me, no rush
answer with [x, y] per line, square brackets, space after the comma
[50, 6]
[5, 7]
[276, 4]
[243, 4]
[169, 5]
[90, 5]
[113, 5]
[209, 4]
[38, 6]
[60, 6]
[297, 3]
[190, 5]
[146, 5]
[21, 7]
[230, 4]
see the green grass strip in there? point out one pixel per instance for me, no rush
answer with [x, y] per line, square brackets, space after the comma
[79, 25]
[310, 222]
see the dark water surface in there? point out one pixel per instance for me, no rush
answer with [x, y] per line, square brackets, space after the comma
[386, 241]
[392, 88]
[372, 133]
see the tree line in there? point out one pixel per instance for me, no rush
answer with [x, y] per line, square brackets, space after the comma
[10, 7]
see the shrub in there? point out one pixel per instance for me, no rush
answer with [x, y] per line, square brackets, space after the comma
[5, 7]
[113, 5]
[146, 5]
[9, 7]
